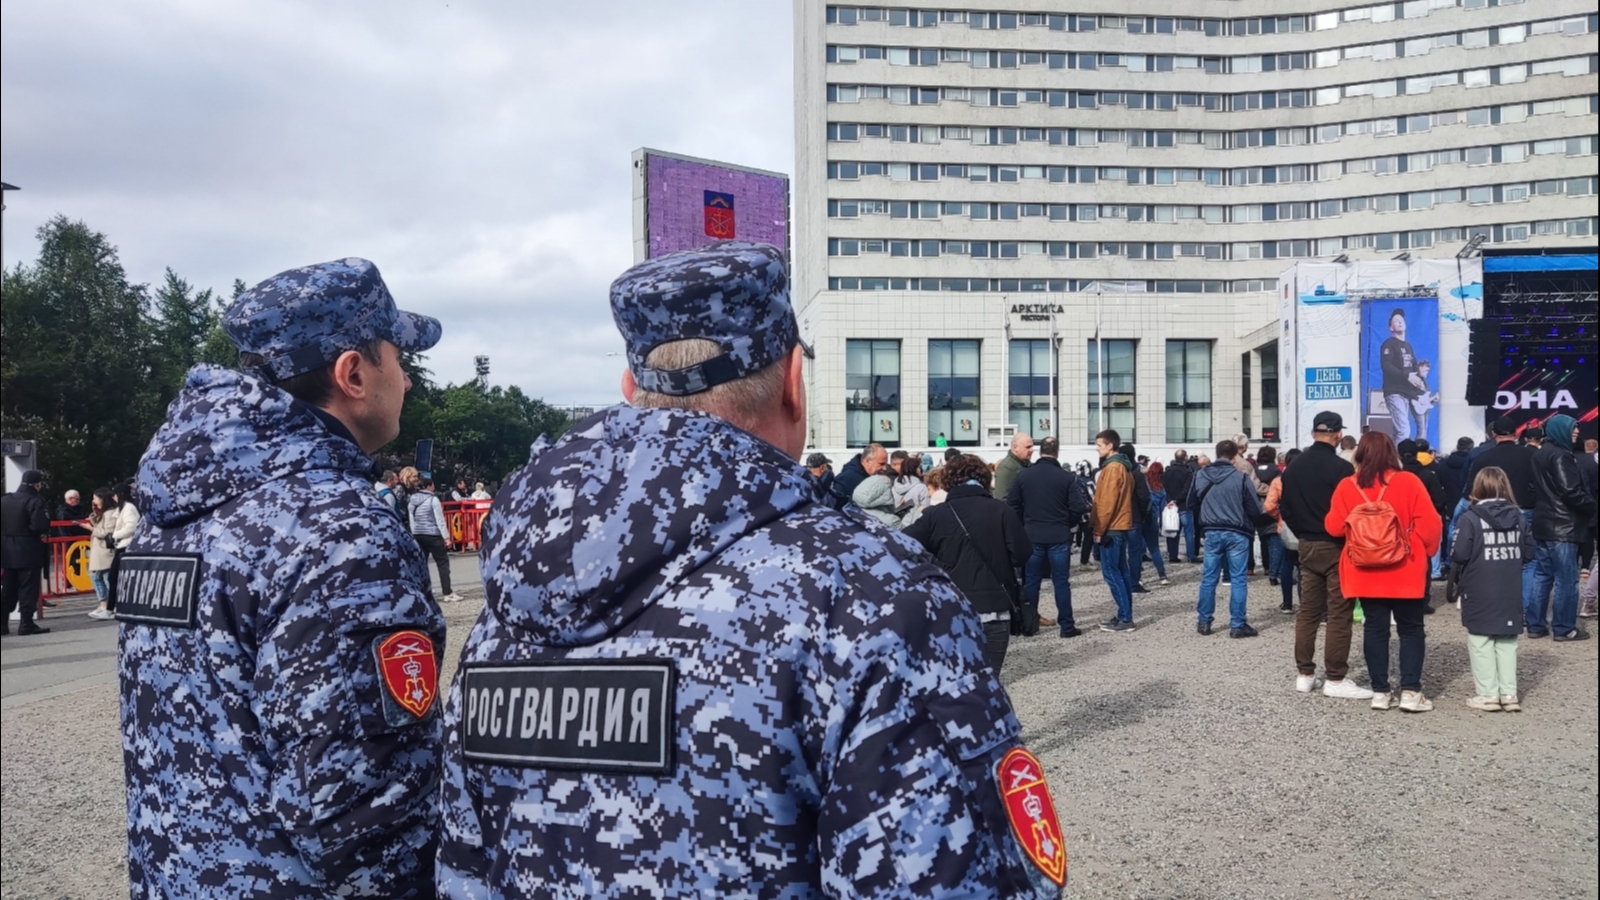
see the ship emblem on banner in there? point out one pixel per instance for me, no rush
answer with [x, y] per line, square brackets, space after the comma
[719, 215]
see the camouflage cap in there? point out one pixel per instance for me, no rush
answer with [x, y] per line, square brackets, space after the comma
[734, 293]
[302, 319]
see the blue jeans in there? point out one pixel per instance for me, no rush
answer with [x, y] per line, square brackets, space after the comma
[1191, 541]
[1272, 553]
[1556, 572]
[1528, 567]
[102, 583]
[1450, 528]
[1145, 538]
[1060, 559]
[1233, 550]
[1114, 566]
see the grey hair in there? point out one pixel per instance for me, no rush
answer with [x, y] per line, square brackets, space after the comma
[1241, 440]
[741, 401]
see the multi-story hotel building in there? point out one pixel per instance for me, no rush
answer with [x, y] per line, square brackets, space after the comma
[1012, 213]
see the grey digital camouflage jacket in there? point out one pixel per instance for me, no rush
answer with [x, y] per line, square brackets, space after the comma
[690, 680]
[278, 662]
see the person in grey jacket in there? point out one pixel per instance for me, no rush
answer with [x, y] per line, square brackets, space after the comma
[431, 529]
[1492, 541]
[875, 496]
[1229, 509]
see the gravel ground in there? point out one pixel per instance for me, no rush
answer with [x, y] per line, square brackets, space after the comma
[1183, 767]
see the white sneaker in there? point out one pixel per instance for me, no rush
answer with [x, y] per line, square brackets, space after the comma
[1305, 684]
[1345, 689]
[1484, 704]
[1510, 703]
[1165, 581]
[1383, 701]
[452, 597]
[101, 613]
[1415, 702]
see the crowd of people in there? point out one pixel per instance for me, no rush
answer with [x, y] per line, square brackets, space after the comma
[1359, 529]
[688, 641]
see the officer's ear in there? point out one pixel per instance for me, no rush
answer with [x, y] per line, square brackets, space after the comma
[628, 385]
[794, 384]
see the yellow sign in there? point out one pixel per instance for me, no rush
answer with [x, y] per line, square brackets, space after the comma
[455, 527]
[77, 567]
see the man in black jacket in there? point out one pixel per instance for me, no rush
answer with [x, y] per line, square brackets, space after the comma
[1453, 469]
[870, 461]
[1429, 476]
[1177, 479]
[24, 522]
[1563, 506]
[1308, 486]
[1052, 503]
[980, 543]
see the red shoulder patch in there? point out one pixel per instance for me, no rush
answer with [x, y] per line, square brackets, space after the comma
[410, 670]
[1032, 812]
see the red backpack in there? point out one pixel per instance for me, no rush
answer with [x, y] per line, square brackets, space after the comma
[1373, 537]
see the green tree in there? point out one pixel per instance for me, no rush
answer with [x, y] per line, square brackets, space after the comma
[185, 319]
[78, 372]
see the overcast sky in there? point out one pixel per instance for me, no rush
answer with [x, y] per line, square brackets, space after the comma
[478, 152]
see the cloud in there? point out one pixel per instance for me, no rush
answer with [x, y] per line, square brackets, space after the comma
[479, 153]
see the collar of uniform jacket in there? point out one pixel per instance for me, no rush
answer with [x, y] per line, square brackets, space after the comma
[602, 522]
[226, 433]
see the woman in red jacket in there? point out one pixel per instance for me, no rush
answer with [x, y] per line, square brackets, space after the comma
[1398, 591]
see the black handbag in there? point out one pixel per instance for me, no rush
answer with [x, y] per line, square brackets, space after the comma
[1024, 621]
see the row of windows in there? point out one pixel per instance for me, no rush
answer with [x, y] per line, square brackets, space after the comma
[1412, 47]
[1499, 154]
[874, 397]
[1171, 250]
[1330, 132]
[913, 95]
[1190, 26]
[1334, 207]
[1056, 285]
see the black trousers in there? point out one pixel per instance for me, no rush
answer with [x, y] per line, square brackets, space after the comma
[21, 592]
[433, 545]
[997, 637]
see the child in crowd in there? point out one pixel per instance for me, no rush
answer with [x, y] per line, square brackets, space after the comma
[1492, 540]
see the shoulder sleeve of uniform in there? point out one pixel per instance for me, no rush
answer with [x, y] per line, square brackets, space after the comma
[911, 807]
[346, 692]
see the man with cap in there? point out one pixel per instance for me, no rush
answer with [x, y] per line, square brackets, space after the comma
[819, 469]
[279, 647]
[1308, 486]
[693, 681]
[23, 554]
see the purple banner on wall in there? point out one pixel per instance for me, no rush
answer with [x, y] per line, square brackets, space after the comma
[691, 204]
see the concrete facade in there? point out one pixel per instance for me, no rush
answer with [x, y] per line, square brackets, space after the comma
[1411, 127]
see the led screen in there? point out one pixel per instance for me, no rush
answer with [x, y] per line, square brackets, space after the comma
[691, 204]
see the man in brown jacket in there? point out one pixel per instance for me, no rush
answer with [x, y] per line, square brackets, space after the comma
[1110, 518]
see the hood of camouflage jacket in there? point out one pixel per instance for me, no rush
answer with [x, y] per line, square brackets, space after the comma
[226, 433]
[601, 524]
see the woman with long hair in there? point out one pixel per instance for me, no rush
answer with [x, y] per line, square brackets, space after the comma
[1391, 531]
[1287, 578]
[1151, 526]
[1491, 544]
[102, 524]
[981, 543]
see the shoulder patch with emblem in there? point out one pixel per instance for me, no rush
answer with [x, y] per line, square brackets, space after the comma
[409, 670]
[1032, 813]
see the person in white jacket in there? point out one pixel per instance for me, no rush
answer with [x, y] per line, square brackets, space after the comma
[432, 531]
[127, 522]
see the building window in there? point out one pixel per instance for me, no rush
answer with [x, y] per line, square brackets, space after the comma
[1269, 392]
[1119, 388]
[1188, 392]
[872, 392]
[953, 392]
[1030, 389]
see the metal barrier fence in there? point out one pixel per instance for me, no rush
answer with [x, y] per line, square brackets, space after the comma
[466, 518]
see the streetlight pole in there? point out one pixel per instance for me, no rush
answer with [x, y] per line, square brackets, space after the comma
[3, 189]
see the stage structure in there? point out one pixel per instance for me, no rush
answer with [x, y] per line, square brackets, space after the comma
[680, 203]
[1534, 350]
[1382, 343]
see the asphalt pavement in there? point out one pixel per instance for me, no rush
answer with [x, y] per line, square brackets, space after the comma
[80, 652]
